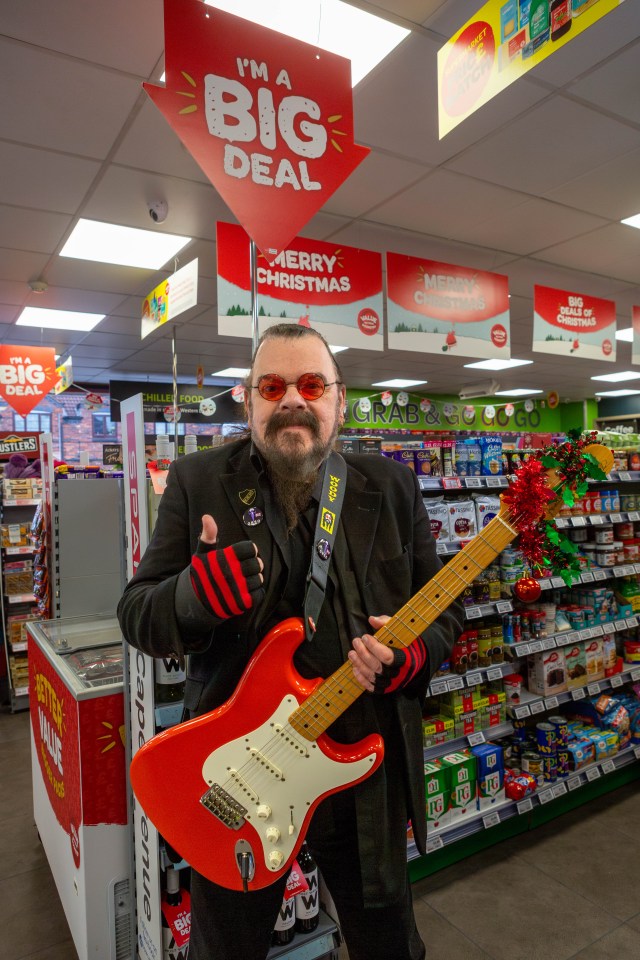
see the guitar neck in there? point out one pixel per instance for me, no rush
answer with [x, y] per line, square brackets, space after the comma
[340, 690]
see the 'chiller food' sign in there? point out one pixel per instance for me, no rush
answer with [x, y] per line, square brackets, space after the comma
[269, 119]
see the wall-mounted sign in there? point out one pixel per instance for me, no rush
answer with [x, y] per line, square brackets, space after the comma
[573, 324]
[503, 41]
[335, 289]
[435, 307]
[195, 404]
[27, 375]
[268, 118]
[170, 298]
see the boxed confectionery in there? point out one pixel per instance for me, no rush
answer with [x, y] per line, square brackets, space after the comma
[547, 673]
[594, 659]
[438, 512]
[428, 460]
[22, 488]
[463, 779]
[490, 773]
[576, 664]
[462, 520]
[438, 794]
[487, 507]
[436, 730]
[461, 700]
[628, 594]
[490, 456]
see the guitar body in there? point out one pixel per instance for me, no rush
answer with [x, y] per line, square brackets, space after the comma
[240, 780]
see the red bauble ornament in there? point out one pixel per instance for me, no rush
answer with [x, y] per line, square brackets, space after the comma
[527, 590]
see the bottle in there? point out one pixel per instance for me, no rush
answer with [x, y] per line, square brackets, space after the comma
[307, 902]
[190, 443]
[560, 15]
[285, 928]
[170, 679]
[173, 898]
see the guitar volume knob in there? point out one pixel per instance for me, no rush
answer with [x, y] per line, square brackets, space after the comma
[264, 811]
[276, 858]
[272, 834]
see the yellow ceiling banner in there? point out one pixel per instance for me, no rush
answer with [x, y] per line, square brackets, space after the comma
[504, 40]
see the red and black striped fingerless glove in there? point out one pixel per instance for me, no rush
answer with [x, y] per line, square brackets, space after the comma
[227, 582]
[407, 664]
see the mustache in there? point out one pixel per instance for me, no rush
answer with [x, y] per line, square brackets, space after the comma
[295, 418]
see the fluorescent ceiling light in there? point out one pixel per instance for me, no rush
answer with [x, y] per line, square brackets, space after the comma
[238, 372]
[335, 349]
[497, 364]
[331, 25]
[128, 246]
[398, 384]
[58, 319]
[518, 392]
[620, 377]
[632, 221]
[616, 393]
[626, 334]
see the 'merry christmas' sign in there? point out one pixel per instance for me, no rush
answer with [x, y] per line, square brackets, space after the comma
[269, 119]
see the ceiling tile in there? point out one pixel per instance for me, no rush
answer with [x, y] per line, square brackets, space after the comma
[34, 231]
[150, 144]
[608, 190]
[43, 179]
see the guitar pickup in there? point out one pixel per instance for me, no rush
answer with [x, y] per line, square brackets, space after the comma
[223, 806]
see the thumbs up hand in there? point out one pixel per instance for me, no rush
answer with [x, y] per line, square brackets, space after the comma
[227, 582]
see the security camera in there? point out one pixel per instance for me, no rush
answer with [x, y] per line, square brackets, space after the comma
[158, 211]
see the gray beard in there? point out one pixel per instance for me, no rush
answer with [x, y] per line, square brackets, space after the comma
[292, 495]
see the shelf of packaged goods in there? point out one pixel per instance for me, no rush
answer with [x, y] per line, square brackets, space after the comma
[440, 685]
[515, 651]
[532, 704]
[626, 476]
[492, 816]
[491, 609]
[597, 519]
[471, 740]
[429, 484]
[593, 576]
[310, 946]
[18, 551]
[21, 502]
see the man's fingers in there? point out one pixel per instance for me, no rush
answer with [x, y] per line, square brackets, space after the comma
[209, 529]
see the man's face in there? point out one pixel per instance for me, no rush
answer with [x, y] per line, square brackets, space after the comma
[294, 432]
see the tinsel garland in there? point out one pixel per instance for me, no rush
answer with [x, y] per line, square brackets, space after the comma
[548, 550]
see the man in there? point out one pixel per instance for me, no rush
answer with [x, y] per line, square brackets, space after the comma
[235, 534]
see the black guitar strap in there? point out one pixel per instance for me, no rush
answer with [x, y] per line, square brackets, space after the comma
[333, 487]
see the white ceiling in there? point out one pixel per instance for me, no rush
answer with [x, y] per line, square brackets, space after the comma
[533, 185]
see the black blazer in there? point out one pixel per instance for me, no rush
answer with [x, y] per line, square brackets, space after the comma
[392, 553]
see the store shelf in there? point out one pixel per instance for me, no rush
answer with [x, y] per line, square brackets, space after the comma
[531, 703]
[492, 609]
[596, 519]
[310, 946]
[471, 740]
[491, 817]
[19, 647]
[429, 484]
[517, 650]
[496, 671]
[21, 502]
[20, 598]
[15, 551]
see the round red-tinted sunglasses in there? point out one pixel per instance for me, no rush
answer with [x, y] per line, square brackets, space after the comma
[310, 386]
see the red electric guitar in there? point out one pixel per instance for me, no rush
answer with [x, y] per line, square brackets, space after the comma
[233, 791]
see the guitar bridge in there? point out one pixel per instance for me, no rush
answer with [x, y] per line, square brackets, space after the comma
[222, 805]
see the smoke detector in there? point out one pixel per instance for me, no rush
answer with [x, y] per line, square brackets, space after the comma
[38, 286]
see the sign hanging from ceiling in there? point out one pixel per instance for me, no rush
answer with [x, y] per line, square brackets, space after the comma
[435, 307]
[335, 289]
[170, 298]
[27, 374]
[269, 119]
[573, 324]
[501, 43]
[195, 404]
[635, 322]
[65, 376]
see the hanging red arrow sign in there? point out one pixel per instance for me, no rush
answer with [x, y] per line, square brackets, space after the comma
[269, 119]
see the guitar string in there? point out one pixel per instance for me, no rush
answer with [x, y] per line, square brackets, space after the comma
[338, 681]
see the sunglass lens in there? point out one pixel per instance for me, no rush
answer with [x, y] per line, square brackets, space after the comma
[311, 386]
[272, 388]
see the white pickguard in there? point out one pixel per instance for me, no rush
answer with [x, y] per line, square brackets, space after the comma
[273, 767]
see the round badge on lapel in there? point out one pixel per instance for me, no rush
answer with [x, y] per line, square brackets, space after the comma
[252, 517]
[323, 548]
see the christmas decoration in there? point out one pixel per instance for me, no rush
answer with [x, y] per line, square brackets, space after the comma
[546, 549]
[527, 590]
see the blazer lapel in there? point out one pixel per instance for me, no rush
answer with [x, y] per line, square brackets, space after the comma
[360, 516]
[243, 492]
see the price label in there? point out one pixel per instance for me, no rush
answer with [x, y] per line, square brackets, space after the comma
[559, 789]
[634, 516]
[596, 519]
[579, 521]
[629, 569]
[586, 634]
[632, 622]
[525, 805]
[557, 582]
[491, 820]
[617, 571]
[616, 681]
[551, 703]
[593, 773]
[455, 683]
[599, 575]
[535, 647]
[522, 712]
[472, 482]
[635, 675]
[451, 483]
[616, 518]
[578, 694]
[496, 481]
[434, 843]
[438, 688]
[504, 606]
[495, 673]
[537, 707]
[473, 679]
[636, 753]
[573, 783]
[549, 643]
[545, 796]
[522, 649]
[587, 577]
[472, 613]
[564, 639]
[476, 738]
[608, 766]
[597, 631]
[545, 583]
[620, 625]
[624, 475]
[441, 547]
[594, 689]
[562, 522]
[636, 568]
